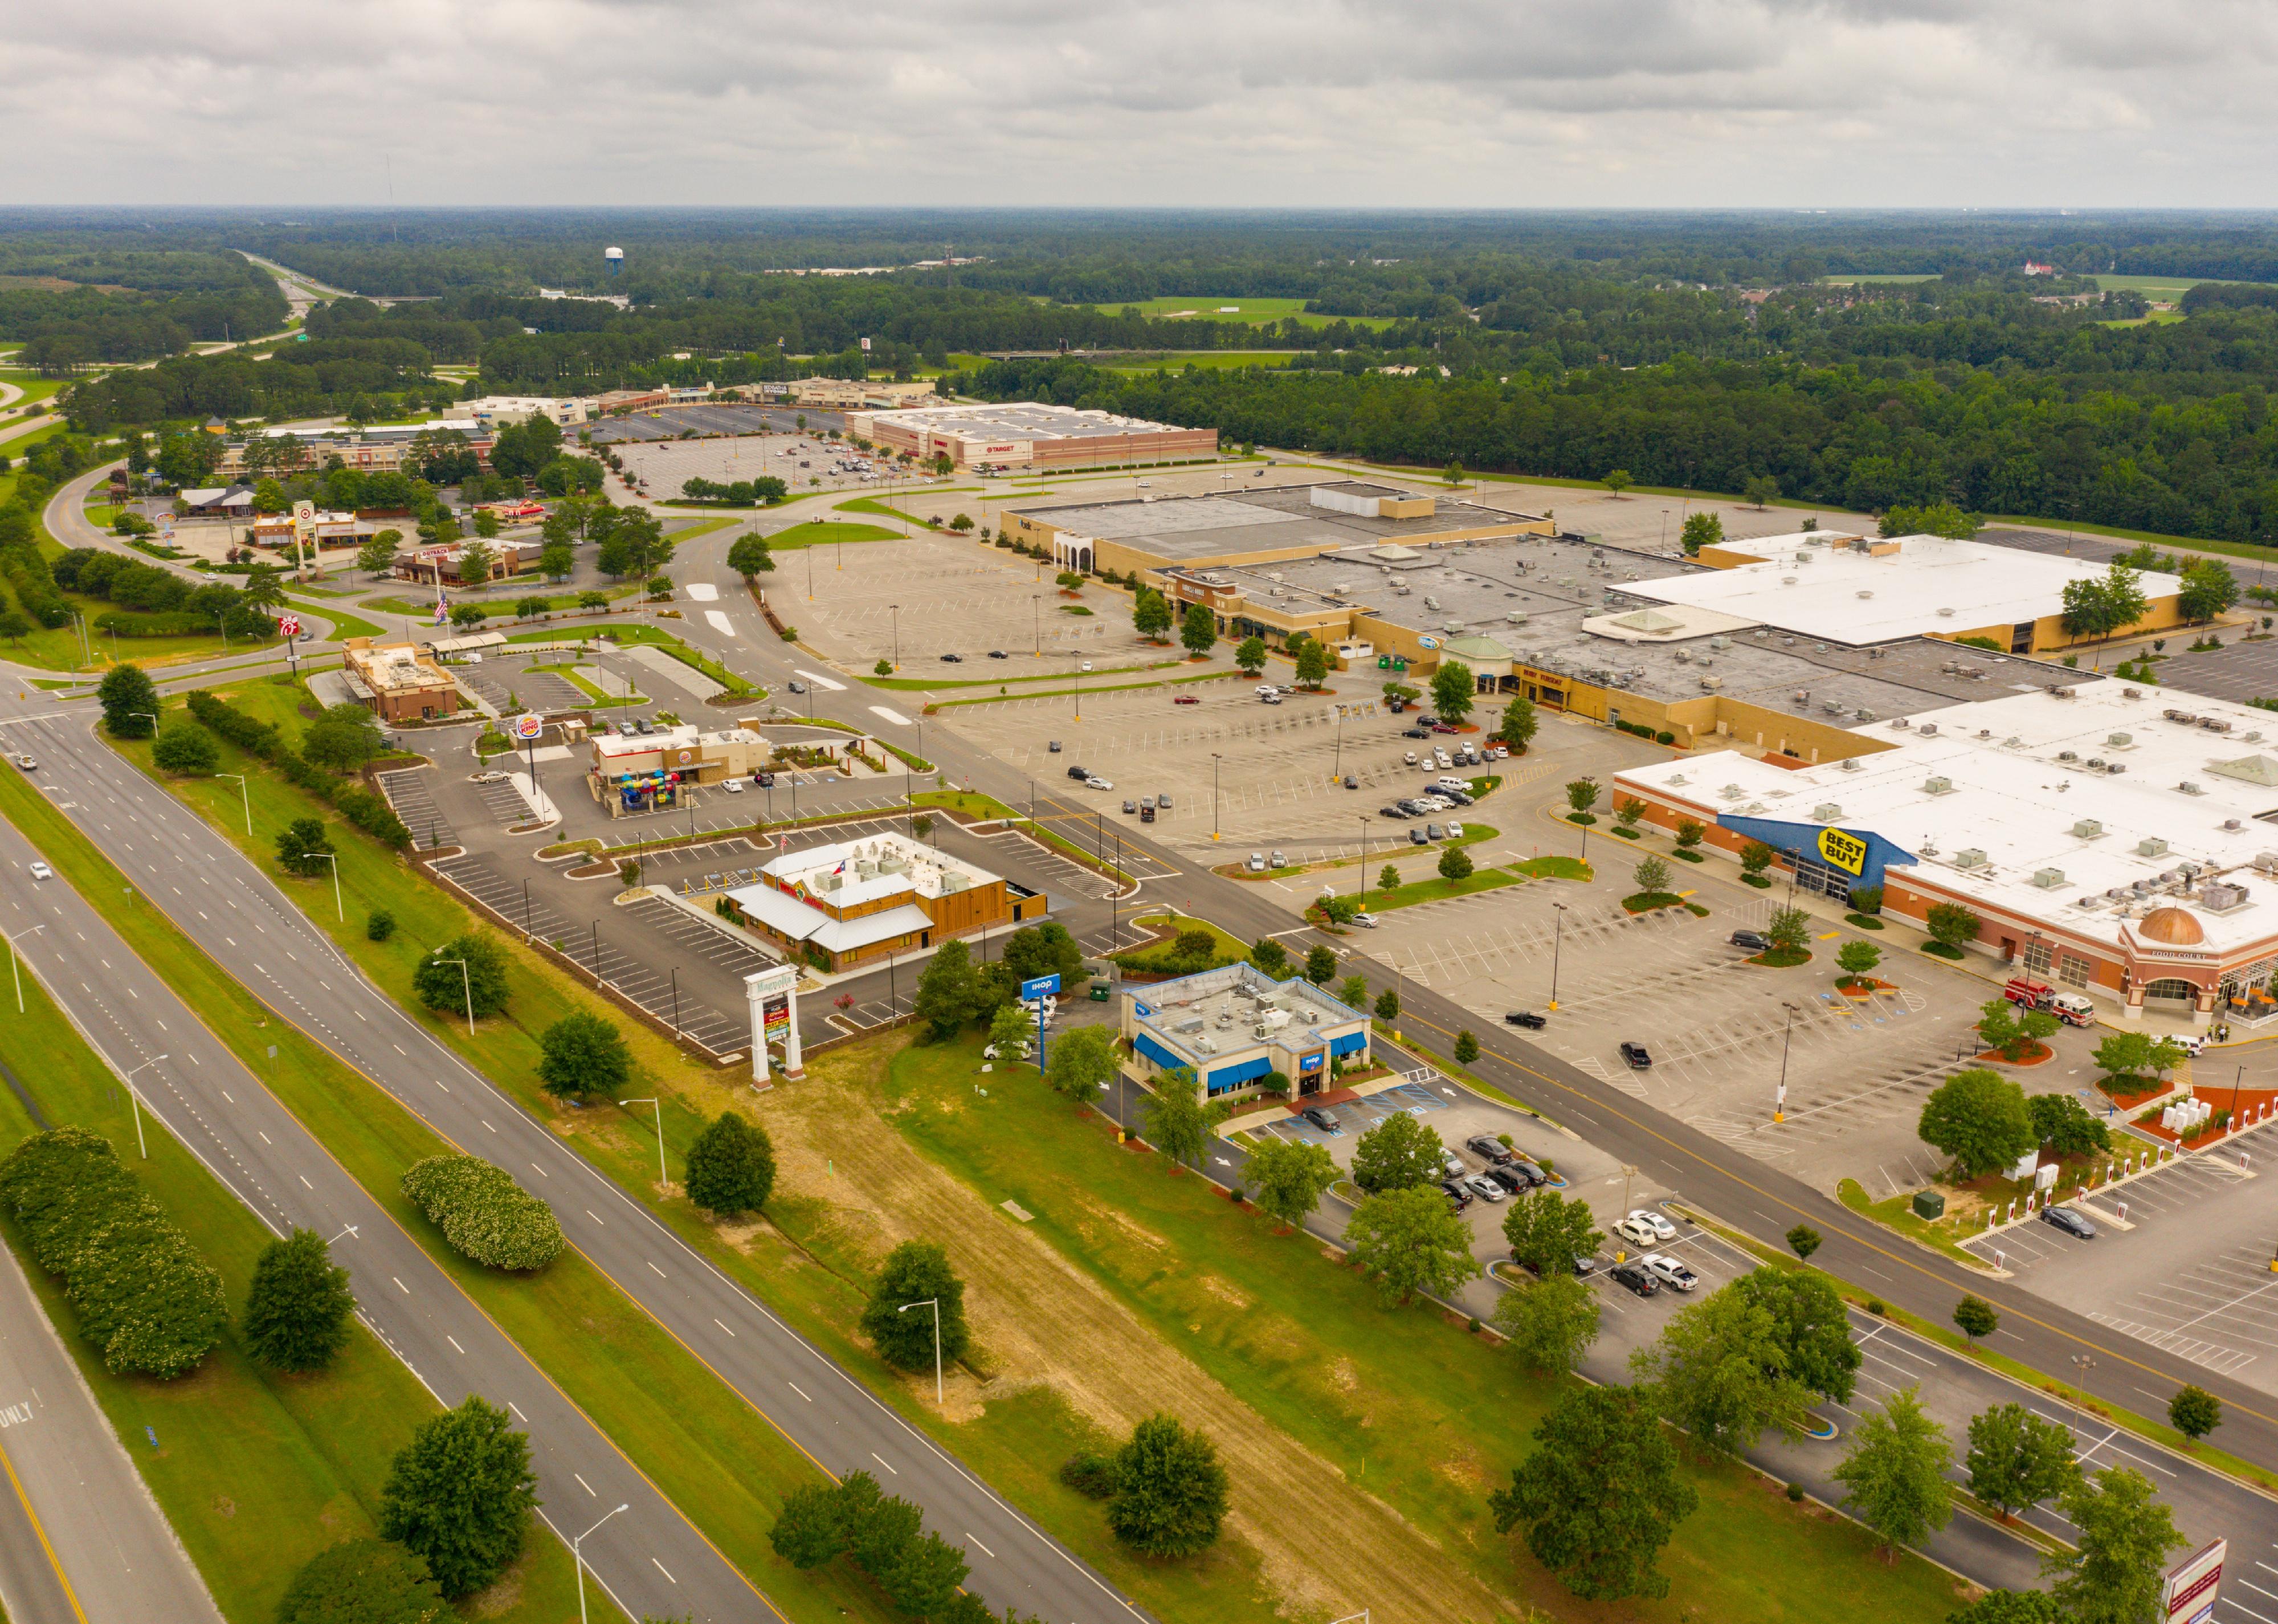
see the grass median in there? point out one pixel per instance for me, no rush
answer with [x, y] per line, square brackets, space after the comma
[255, 1472]
[724, 1467]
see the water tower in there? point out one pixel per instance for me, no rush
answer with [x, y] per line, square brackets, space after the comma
[615, 258]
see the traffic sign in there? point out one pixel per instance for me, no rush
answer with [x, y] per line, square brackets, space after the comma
[529, 726]
[288, 625]
[1038, 986]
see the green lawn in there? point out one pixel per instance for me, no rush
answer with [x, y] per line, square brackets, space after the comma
[2159, 287]
[1427, 1417]
[818, 533]
[256, 1472]
[722, 1465]
[1206, 360]
[1249, 311]
[1436, 889]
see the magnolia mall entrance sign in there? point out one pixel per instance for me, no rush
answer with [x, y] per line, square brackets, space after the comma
[772, 996]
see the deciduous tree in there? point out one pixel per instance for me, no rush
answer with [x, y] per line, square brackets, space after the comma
[1720, 1372]
[2123, 1533]
[1979, 1118]
[1453, 690]
[1550, 1323]
[1412, 1240]
[1600, 1495]
[2016, 1458]
[1398, 1154]
[1894, 1476]
[460, 1494]
[1287, 1178]
[914, 1272]
[1547, 1231]
[731, 1166]
[1170, 1490]
[297, 1313]
[582, 1055]
[1080, 1061]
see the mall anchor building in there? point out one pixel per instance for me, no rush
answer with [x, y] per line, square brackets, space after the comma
[2118, 840]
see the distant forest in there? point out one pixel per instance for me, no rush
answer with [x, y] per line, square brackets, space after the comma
[1702, 350]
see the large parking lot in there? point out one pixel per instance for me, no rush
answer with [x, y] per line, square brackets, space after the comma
[709, 418]
[805, 462]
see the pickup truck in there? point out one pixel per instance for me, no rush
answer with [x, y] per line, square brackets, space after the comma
[2073, 1008]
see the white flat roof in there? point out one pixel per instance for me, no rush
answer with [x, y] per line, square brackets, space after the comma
[923, 871]
[802, 922]
[2016, 801]
[1930, 585]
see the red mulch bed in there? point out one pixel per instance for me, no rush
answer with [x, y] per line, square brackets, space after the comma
[2039, 1053]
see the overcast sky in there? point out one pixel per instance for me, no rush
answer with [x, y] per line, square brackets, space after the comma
[1432, 103]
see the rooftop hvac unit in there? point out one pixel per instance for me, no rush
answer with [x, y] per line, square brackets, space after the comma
[2120, 741]
[2267, 862]
[1866, 715]
[1969, 857]
[1431, 603]
[1733, 791]
[2096, 763]
[1866, 592]
[2115, 767]
[1938, 786]
[1833, 708]
[2048, 879]
[2067, 755]
[1946, 614]
[2011, 742]
[1929, 730]
[1827, 812]
[2059, 691]
[1900, 723]
[2131, 693]
[1803, 696]
[1787, 580]
[2214, 724]
[2087, 829]
[2231, 825]
[2219, 899]
[2190, 788]
[2151, 846]
[1517, 617]
[1720, 644]
[1712, 682]
[1849, 763]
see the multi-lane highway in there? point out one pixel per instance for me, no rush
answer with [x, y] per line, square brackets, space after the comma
[656, 1562]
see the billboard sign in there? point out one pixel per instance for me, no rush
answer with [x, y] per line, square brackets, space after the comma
[1308, 1062]
[529, 726]
[288, 625]
[775, 1017]
[1847, 852]
[1039, 986]
[2189, 1594]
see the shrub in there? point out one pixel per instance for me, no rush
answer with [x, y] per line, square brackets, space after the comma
[483, 1213]
[363, 1581]
[914, 1272]
[369, 811]
[380, 926]
[731, 1166]
[184, 748]
[480, 991]
[1091, 1476]
[143, 1294]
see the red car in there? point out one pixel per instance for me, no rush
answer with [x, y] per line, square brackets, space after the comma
[1185, 699]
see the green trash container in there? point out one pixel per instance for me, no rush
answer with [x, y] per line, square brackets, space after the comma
[1929, 1204]
[1098, 992]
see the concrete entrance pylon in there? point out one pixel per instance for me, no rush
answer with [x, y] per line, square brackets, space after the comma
[773, 997]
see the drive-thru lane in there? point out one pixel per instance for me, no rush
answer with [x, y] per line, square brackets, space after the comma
[242, 918]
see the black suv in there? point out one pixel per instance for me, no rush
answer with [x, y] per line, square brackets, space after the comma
[1635, 1278]
[1754, 941]
[1079, 772]
[1527, 1018]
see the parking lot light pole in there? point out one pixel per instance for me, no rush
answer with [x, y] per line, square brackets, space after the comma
[1557, 930]
[662, 1178]
[1779, 1102]
[1037, 608]
[1215, 759]
[896, 610]
[1360, 883]
[244, 794]
[933, 1303]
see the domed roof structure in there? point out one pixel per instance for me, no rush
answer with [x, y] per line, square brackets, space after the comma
[2171, 926]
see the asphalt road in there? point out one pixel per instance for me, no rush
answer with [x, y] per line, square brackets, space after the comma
[233, 911]
[81, 1542]
[1743, 1192]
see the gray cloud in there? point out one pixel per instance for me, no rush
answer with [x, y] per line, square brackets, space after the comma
[1634, 103]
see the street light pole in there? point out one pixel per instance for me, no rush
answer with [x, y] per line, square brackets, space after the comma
[467, 985]
[244, 793]
[141, 1143]
[337, 907]
[1215, 759]
[662, 1178]
[1557, 930]
[935, 1304]
[896, 610]
[577, 1555]
[17, 976]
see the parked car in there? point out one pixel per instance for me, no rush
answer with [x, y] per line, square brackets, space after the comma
[1668, 1271]
[1486, 1146]
[1511, 1179]
[1416, 836]
[1451, 1164]
[1366, 920]
[1527, 1018]
[2070, 1221]
[1053, 745]
[999, 653]
[1455, 831]
[734, 786]
[1270, 699]
[1444, 727]
[797, 686]
[1079, 773]
[1184, 698]
[1582, 1266]
[1147, 803]
[1448, 783]
[1433, 831]
[1324, 1121]
[1097, 783]
[1754, 941]
[1480, 1186]
[2189, 1043]
[1637, 1057]
[1661, 1227]
[1636, 1279]
[953, 659]
[1129, 806]
[1256, 863]
[1351, 782]
[494, 775]
[1280, 860]
[41, 872]
[1415, 732]
[1391, 812]
[1453, 1189]
[1636, 1230]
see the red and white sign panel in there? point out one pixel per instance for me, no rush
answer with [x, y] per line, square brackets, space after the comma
[2188, 1597]
[288, 625]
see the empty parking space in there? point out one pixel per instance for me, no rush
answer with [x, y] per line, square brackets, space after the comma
[412, 793]
[2240, 670]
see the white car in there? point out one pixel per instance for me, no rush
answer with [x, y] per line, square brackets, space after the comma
[1456, 783]
[1412, 758]
[2189, 1043]
[996, 1052]
[734, 786]
[1451, 1164]
[1364, 920]
[1455, 831]
[1101, 783]
[1480, 1186]
[1265, 690]
[493, 777]
[1668, 1271]
[1661, 1227]
[41, 872]
[1631, 1230]
[26, 763]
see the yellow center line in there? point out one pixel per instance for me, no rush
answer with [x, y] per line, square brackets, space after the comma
[62, 1578]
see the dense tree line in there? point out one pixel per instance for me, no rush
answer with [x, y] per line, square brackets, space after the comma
[129, 306]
